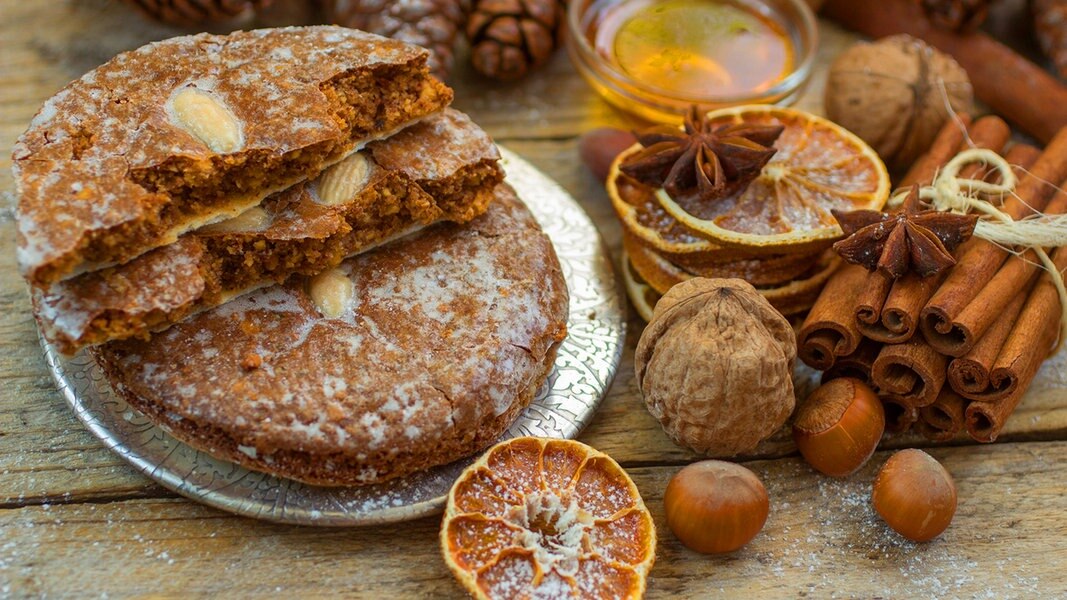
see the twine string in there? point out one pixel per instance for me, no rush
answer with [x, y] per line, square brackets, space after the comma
[950, 192]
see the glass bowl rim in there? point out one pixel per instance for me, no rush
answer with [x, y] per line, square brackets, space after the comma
[807, 27]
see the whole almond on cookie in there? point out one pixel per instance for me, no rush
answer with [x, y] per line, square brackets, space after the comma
[206, 118]
[253, 219]
[341, 182]
[332, 291]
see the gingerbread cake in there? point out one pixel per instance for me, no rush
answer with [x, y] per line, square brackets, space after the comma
[189, 130]
[442, 168]
[405, 357]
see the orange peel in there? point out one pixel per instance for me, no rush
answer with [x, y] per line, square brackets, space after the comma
[547, 518]
[819, 166]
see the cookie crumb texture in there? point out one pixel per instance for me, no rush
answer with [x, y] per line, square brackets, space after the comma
[446, 337]
[177, 133]
[294, 231]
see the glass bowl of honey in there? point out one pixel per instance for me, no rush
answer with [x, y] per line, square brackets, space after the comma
[655, 58]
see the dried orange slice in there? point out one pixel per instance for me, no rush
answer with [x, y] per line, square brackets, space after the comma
[642, 296]
[536, 518]
[647, 274]
[642, 216]
[766, 271]
[819, 166]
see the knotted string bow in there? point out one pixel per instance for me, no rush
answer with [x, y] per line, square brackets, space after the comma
[950, 192]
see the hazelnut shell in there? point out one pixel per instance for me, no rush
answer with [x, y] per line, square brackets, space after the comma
[838, 426]
[599, 147]
[915, 495]
[715, 507]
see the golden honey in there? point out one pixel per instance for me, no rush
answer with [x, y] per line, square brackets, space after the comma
[657, 57]
[694, 48]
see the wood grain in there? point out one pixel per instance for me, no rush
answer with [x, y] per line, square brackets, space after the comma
[822, 539]
[75, 519]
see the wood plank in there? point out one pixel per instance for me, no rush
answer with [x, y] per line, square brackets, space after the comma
[822, 539]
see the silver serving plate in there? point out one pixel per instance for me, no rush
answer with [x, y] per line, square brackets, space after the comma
[584, 368]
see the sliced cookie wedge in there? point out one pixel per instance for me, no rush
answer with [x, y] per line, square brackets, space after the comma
[409, 356]
[178, 133]
[442, 168]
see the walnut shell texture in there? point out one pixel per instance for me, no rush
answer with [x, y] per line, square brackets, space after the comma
[715, 366]
[894, 94]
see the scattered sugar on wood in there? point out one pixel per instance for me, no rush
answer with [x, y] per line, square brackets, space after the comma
[838, 530]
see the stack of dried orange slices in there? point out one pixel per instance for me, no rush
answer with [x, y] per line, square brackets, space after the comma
[770, 226]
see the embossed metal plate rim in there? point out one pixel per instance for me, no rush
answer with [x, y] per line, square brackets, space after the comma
[584, 369]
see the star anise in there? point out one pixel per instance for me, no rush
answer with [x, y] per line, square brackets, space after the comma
[708, 158]
[922, 240]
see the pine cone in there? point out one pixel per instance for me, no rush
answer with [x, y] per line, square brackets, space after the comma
[432, 24]
[508, 38]
[1050, 28]
[956, 15]
[196, 12]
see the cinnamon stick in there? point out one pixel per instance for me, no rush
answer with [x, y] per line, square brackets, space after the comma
[988, 307]
[908, 295]
[899, 415]
[985, 420]
[981, 260]
[1027, 346]
[900, 312]
[913, 372]
[902, 301]
[947, 143]
[870, 301]
[857, 365]
[968, 375]
[943, 419]
[829, 330]
[1013, 86]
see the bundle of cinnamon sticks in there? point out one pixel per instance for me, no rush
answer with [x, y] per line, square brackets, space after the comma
[957, 350]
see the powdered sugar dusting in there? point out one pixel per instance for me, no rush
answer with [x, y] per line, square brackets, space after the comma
[171, 283]
[168, 277]
[447, 330]
[115, 121]
[560, 551]
[436, 147]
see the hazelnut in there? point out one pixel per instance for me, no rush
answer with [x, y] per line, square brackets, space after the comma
[838, 427]
[599, 147]
[915, 495]
[715, 366]
[715, 506]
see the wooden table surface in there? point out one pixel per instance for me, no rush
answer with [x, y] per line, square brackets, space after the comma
[76, 520]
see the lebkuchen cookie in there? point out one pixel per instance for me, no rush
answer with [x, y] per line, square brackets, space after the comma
[442, 168]
[409, 356]
[190, 130]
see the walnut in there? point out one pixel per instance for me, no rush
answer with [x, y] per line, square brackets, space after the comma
[715, 366]
[893, 94]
